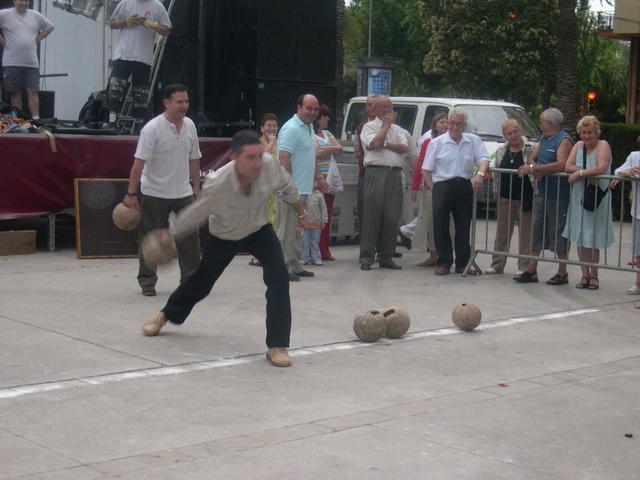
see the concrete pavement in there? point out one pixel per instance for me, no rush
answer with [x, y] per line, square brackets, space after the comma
[546, 390]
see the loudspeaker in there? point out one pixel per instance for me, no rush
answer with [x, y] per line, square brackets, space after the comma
[242, 104]
[243, 58]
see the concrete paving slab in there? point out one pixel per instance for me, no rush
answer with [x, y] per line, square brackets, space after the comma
[200, 400]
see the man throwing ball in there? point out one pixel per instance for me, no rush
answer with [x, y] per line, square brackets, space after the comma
[234, 199]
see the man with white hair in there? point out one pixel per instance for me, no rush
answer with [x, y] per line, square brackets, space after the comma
[549, 156]
[448, 172]
[385, 147]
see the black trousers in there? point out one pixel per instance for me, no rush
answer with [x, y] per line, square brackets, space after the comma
[218, 253]
[452, 197]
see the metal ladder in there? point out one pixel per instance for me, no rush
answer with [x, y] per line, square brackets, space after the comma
[126, 122]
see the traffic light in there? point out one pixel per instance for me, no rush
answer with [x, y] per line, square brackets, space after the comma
[591, 100]
[512, 16]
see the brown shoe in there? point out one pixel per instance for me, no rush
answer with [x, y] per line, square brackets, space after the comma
[153, 325]
[149, 291]
[279, 357]
[442, 270]
[429, 262]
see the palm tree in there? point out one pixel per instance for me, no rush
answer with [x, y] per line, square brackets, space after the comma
[567, 64]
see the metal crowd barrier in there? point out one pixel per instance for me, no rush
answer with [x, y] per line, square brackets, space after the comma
[481, 246]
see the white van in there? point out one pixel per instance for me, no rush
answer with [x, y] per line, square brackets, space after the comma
[415, 114]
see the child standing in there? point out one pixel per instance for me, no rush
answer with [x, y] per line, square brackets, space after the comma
[318, 217]
[631, 168]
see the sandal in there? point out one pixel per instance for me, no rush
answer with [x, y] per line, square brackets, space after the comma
[558, 279]
[584, 283]
[594, 283]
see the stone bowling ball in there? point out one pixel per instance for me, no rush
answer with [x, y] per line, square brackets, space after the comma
[125, 218]
[158, 247]
[370, 326]
[397, 320]
[466, 316]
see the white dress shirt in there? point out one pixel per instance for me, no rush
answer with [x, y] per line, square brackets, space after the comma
[383, 156]
[447, 159]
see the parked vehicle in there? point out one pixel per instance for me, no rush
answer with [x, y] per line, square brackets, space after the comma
[415, 114]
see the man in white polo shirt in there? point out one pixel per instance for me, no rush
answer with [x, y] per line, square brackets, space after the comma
[448, 172]
[166, 159]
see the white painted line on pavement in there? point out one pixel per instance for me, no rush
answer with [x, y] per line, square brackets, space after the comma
[300, 352]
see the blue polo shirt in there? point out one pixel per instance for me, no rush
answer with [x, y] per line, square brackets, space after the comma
[548, 153]
[298, 140]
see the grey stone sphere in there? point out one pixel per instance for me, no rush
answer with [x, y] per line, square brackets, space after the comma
[369, 326]
[125, 218]
[397, 320]
[158, 248]
[466, 316]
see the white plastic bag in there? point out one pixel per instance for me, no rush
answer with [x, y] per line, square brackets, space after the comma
[334, 182]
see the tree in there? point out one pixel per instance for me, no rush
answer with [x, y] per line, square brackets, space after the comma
[567, 64]
[492, 49]
[396, 33]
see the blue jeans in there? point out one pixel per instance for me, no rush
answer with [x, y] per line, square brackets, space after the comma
[311, 246]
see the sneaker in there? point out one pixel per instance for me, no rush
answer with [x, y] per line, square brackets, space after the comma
[317, 263]
[153, 325]
[493, 271]
[279, 357]
[526, 277]
[149, 291]
[634, 290]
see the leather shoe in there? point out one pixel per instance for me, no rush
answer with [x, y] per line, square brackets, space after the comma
[365, 267]
[391, 265]
[396, 255]
[304, 273]
[153, 325]
[279, 357]
[429, 262]
[442, 270]
[293, 278]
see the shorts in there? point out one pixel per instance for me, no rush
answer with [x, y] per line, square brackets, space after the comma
[16, 79]
[553, 239]
[636, 236]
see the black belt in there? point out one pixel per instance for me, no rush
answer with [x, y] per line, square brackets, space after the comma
[386, 167]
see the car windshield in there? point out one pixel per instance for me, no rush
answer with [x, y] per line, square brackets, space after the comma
[486, 121]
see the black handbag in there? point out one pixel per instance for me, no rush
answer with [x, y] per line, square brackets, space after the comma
[593, 195]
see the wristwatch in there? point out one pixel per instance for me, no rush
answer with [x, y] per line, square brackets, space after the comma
[130, 194]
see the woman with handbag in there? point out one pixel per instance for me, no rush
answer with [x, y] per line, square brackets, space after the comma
[328, 146]
[590, 224]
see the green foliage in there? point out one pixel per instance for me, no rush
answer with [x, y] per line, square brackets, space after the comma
[396, 33]
[478, 48]
[623, 139]
[492, 49]
[602, 66]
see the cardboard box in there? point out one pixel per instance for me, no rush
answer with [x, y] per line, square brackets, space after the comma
[17, 242]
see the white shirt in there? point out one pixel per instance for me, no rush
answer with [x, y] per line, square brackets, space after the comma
[232, 214]
[136, 44]
[166, 157]
[19, 31]
[383, 156]
[633, 160]
[447, 159]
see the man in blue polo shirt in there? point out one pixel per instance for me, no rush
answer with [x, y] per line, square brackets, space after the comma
[297, 154]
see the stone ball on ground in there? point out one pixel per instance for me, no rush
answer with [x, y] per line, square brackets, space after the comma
[397, 320]
[370, 326]
[158, 247]
[466, 316]
[125, 218]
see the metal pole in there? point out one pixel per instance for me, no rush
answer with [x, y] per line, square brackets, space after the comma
[370, 17]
